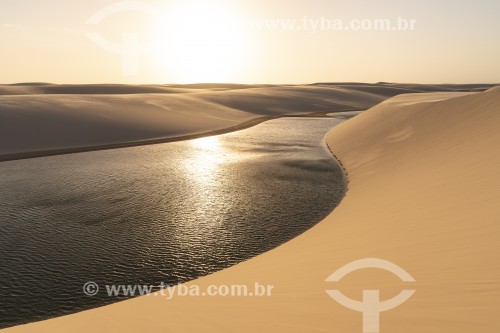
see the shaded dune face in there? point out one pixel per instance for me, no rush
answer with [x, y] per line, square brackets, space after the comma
[38, 117]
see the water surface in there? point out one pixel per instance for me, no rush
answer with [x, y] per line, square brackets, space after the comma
[161, 213]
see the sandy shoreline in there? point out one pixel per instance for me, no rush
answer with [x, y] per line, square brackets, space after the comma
[423, 191]
[235, 128]
[45, 153]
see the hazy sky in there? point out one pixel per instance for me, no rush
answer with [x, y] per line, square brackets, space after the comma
[249, 41]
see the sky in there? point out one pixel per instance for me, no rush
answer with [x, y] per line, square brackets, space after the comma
[249, 41]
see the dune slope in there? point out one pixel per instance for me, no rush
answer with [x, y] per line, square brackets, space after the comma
[423, 194]
[42, 119]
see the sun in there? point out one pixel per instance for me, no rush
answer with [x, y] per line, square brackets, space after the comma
[202, 42]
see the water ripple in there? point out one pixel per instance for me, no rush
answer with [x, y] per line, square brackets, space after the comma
[164, 213]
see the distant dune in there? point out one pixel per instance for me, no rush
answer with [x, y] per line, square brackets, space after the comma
[42, 118]
[423, 193]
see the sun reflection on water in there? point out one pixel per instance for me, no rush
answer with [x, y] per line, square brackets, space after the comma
[204, 164]
[207, 143]
[206, 174]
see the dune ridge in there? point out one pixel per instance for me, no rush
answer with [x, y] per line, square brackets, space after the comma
[423, 191]
[38, 119]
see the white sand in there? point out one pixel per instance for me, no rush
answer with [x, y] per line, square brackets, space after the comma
[424, 188]
[41, 117]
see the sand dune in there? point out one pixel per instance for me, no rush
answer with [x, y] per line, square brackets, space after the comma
[423, 194]
[41, 118]
[51, 122]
